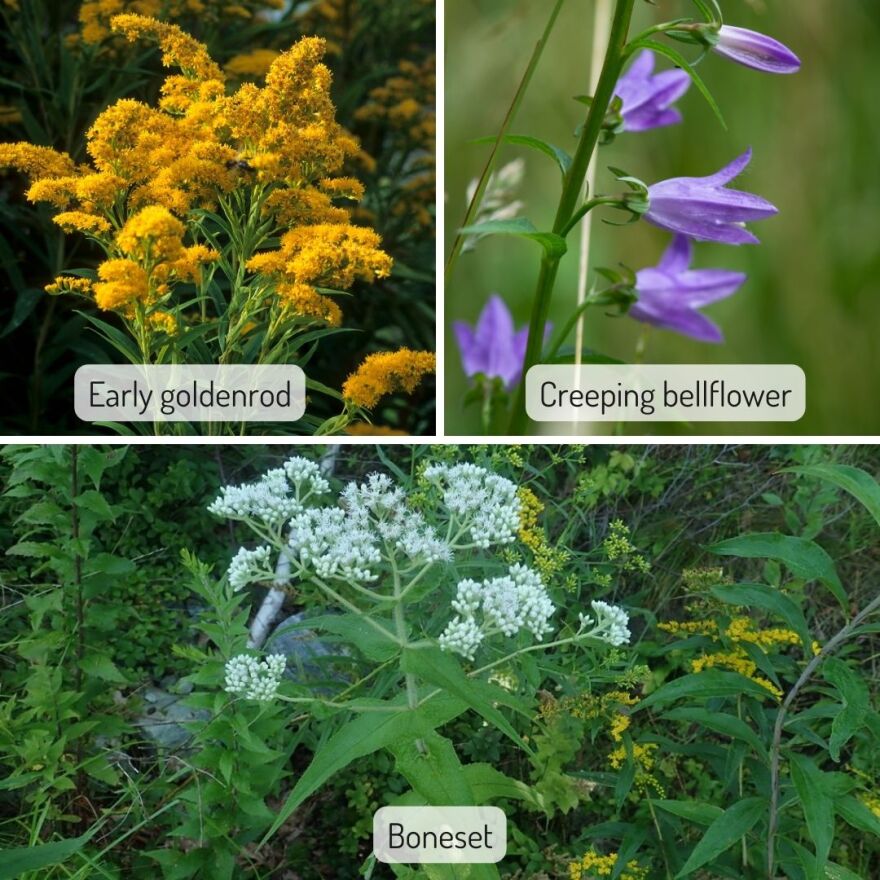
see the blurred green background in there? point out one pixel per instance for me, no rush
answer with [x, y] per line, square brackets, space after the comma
[813, 295]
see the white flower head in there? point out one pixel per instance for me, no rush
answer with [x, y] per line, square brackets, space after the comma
[248, 566]
[505, 604]
[612, 624]
[275, 497]
[485, 504]
[334, 543]
[255, 679]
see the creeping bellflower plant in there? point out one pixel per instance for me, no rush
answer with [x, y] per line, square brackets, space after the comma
[631, 95]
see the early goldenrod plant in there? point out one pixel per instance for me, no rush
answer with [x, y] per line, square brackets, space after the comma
[223, 219]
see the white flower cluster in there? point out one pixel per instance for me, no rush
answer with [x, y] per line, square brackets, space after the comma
[334, 544]
[508, 604]
[485, 504]
[611, 624]
[255, 679]
[275, 497]
[248, 566]
[346, 541]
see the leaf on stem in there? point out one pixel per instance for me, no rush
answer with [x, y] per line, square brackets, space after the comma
[557, 154]
[554, 245]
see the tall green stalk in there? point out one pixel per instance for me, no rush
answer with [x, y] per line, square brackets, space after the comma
[615, 59]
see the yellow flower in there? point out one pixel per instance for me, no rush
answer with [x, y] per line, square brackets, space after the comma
[80, 221]
[36, 162]
[164, 321]
[304, 300]
[70, 284]
[255, 63]
[386, 371]
[122, 282]
[365, 429]
[153, 235]
[178, 48]
[737, 661]
[592, 865]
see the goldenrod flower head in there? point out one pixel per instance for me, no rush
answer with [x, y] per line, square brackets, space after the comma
[255, 63]
[178, 48]
[36, 162]
[116, 139]
[80, 221]
[164, 321]
[365, 429]
[304, 300]
[736, 660]
[153, 235]
[57, 191]
[592, 865]
[122, 282]
[70, 284]
[387, 371]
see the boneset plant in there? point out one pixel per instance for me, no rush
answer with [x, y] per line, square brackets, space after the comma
[413, 579]
[670, 295]
[222, 219]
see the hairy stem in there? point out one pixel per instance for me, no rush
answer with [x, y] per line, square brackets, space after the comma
[829, 648]
[571, 196]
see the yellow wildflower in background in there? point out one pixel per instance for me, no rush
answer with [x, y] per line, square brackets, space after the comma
[592, 865]
[548, 560]
[365, 429]
[736, 661]
[385, 372]
[254, 64]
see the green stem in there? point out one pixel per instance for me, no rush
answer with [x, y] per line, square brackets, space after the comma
[615, 58]
[477, 199]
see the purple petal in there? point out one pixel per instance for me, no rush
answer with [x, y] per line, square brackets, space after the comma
[687, 322]
[641, 68]
[472, 359]
[649, 118]
[702, 229]
[678, 256]
[692, 289]
[727, 173]
[646, 99]
[727, 205]
[755, 50]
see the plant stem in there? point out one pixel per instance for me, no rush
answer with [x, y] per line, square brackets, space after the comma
[571, 195]
[829, 648]
[483, 182]
[412, 690]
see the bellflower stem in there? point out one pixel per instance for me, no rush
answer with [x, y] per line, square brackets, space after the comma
[615, 58]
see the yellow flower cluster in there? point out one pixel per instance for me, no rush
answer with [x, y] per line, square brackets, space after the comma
[872, 802]
[592, 865]
[643, 760]
[619, 548]
[387, 371]
[405, 104]
[95, 16]
[548, 560]
[587, 707]
[254, 64]
[740, 631]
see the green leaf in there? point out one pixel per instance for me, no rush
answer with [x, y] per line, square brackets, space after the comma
[856, 703]
[680, 61]
[703, 686]
[441, 669]
[698, 812]
[805, 559]
[728, 725]
[14, 862]
[816, 802]
[101, 666]
[559, 156]
[768, 599]
[554, 245]
[435, 774]
[362, 736]
[854, 480]
[724, 832]
[855, 813]
[489, 785]
[369, 641]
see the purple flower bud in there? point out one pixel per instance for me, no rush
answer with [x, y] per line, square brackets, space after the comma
[671, 293]
[701, 208]
[755, 50]
[648, 99]
[493, 347]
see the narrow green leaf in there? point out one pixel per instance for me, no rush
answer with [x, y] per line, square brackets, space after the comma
[724, 832]
[719, 722]
[680, 61]
[857, 482]
[703, 686]
[856, 702]
[855, 813]
[698, 812]
[816, 802]
[805, 559]
[14, 862]
[363, 736]
[554, 245]
[440, 669]
[558, 155]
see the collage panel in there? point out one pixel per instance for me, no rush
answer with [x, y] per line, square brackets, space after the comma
[197, 184]
[657, 660]
[636, 184]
